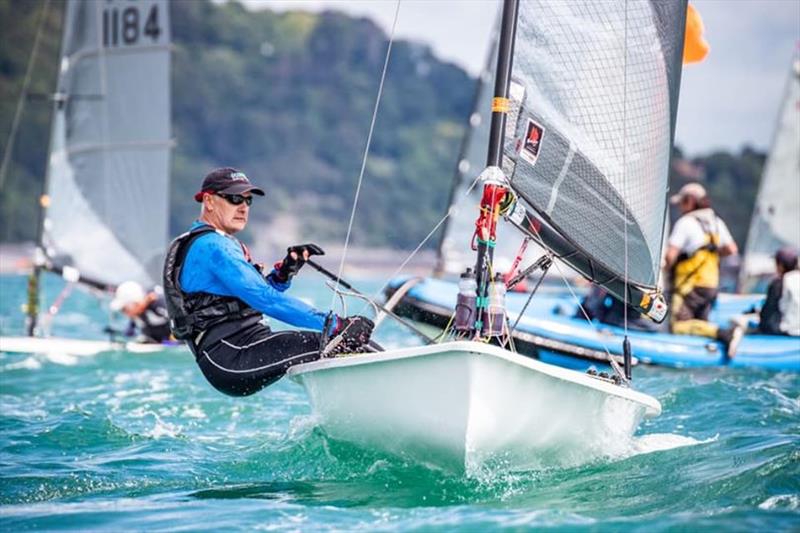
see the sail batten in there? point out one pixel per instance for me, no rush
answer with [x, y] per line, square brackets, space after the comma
[597, 89]
[108, 172]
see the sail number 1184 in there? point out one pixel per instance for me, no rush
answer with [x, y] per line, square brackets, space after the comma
[129, 26]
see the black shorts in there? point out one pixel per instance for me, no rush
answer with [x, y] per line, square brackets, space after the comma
[696, 304]
[242, 361]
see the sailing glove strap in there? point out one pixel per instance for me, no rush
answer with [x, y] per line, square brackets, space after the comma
[350, 335]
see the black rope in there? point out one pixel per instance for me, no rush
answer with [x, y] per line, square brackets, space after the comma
[544, 263]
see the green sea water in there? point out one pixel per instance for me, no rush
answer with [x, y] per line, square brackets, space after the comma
[141, 442]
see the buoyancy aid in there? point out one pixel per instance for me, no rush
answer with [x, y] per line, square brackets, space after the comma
[153, 323]
[701, 267]
[192, 313]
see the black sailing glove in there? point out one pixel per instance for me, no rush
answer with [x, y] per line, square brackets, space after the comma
[296, 257]
[290, 266]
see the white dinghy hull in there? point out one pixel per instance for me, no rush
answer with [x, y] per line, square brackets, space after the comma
[464, 405]
[79, 347]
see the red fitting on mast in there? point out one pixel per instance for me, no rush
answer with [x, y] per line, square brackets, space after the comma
[486, 224]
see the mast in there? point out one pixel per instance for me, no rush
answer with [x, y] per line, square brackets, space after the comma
[494, 188]
[32, 305]
[505, 60]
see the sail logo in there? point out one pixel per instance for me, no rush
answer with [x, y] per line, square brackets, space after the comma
[238, 176]
[534, 133]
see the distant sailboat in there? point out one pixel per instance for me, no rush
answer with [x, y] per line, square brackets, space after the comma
[465, 194]
[776, 216]
[582, 122]
[105, 208]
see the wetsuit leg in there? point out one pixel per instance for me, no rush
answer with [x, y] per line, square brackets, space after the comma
[246, 361]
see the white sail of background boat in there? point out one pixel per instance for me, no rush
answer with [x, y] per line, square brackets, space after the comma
[582, 124]
[108, 172]
[105, 208]
[776, 215]
[465, 194]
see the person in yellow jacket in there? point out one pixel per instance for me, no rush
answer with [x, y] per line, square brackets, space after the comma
[698, 240]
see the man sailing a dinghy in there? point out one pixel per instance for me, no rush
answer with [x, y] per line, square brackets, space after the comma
[780, 313]
[697, 242]
[217, 296]
[147, 312]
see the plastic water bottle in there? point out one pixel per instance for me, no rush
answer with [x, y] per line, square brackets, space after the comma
[464, 321]
[495, 318]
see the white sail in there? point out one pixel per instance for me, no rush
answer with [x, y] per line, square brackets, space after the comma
[597, 82]
[454, 253]
[108, 172]
[776, 216]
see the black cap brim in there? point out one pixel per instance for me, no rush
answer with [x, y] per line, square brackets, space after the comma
[241, 188]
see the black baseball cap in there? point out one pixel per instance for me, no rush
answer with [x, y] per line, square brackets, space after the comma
[226, 180]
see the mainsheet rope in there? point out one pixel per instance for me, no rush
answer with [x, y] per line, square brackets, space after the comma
[366, 152]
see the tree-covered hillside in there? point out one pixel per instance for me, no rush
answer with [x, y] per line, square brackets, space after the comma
[288, 98]
[23, 180]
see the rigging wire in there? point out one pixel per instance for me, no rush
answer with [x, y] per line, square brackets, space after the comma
[578, 301]
[12, 135]
[366, 149]
[626, 343]
[625, 160]
[530, 298]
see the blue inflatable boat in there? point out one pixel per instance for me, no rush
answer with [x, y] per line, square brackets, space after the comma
[549, 332]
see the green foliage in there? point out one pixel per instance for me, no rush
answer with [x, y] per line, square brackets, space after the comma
[24, 178]
[289, 98]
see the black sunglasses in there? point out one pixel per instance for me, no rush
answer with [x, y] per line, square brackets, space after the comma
[236, 199]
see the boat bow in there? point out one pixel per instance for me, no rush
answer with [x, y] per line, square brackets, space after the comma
[465, 405]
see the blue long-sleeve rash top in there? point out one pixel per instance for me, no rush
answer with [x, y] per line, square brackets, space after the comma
[216, 264]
